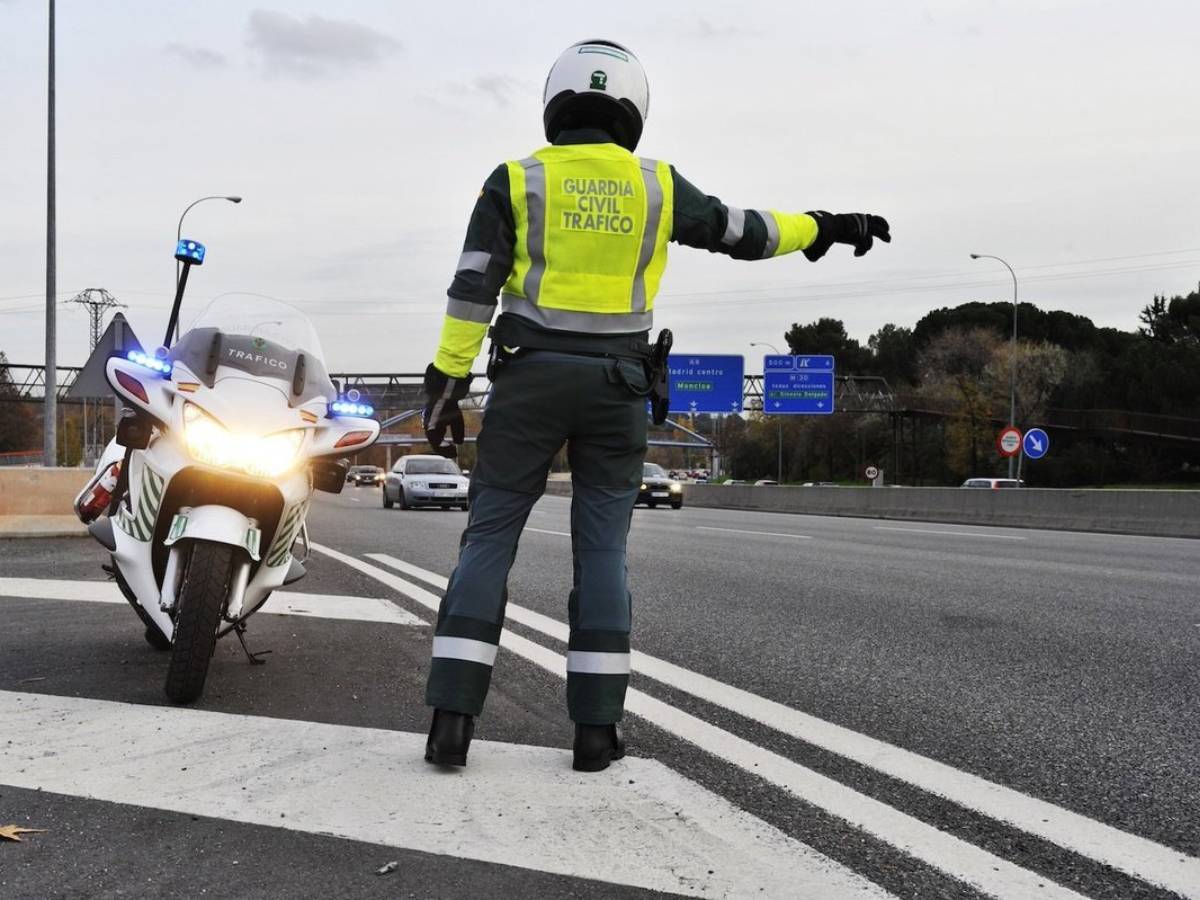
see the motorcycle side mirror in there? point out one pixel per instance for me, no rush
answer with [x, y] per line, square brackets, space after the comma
[133, 431]
[329, 475]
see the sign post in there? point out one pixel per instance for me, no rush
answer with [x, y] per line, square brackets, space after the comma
[798, 385]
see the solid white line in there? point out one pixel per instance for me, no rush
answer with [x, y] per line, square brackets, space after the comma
[1133, 855]
[547, 531]
[959, 859]
[287, 603]
[974, 534]
[803, 537]
[639, 824]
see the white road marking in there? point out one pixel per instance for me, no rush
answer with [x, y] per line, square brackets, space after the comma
[974, 534]
[547, 531]
[288, 603]
[516, 805]
[803, 537]
[356, 499]
[957, 858]
[1129, 853]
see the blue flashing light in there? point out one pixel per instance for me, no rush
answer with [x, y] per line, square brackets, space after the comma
[190, 251]
[161, 366]
[346, 408]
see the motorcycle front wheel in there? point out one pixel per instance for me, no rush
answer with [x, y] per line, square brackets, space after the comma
[200, 601]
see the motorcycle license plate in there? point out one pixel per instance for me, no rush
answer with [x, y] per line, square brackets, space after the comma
[662, 494]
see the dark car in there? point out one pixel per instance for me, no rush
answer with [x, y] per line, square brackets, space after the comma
[658, 487]
[368, 475]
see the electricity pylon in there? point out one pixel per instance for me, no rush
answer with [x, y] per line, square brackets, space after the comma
[96, 301]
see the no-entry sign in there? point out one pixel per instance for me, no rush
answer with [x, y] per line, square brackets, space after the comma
[1009, 441]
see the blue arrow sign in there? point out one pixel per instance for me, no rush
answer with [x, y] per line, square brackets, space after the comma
[706, 384]
[1036, 443]
[798, 385]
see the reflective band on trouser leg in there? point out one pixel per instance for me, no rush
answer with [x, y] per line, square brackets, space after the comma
[535, 206]
[654, 206]
[772, 244]
[445, 647]
[592, 662]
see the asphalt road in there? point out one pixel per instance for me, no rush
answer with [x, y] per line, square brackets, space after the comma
[822, 707]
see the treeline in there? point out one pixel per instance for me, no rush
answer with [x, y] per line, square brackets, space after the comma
[1103, 394]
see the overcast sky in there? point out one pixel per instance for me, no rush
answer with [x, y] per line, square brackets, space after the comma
[1063, 135]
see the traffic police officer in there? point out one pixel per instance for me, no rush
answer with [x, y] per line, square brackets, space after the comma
[573, 239]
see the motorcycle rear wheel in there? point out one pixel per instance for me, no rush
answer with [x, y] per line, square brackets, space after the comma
[201, 599]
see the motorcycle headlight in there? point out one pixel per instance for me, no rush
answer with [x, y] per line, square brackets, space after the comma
[210, 442]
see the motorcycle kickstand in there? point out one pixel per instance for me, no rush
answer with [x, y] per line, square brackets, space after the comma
[240, 630]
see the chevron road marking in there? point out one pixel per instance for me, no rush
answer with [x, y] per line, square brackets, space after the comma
[289, 603]
[985, 871]
[1136, 856]
[639, 824]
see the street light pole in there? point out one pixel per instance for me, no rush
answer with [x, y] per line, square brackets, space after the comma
[50, 405]
[179, 232]
[1012, 367]
[775, 350]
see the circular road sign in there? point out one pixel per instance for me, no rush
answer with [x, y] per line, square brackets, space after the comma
[1036, 443]
[1009, 441]
[872, 473]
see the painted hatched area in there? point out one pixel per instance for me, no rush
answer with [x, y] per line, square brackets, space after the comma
[639, 824]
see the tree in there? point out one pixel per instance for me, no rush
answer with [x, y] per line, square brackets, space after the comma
[894, 355]
[828, 336]
[955, 366]
[16, 422]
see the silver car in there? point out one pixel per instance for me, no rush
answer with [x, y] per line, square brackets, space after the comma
[425, 480]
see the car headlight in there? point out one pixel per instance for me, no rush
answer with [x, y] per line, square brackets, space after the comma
[210, 442]
[643, 486]
[676, 487]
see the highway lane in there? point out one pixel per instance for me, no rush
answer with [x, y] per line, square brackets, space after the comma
[1060, 664]
[1074, 684]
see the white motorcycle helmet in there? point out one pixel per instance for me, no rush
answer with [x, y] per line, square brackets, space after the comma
[597, 84]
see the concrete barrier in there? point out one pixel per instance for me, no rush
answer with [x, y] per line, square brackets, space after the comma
[1153, 513]
[40, 491]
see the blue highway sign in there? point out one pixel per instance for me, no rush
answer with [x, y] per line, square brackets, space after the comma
[798, 385]
[706, 384]
[1036, 443]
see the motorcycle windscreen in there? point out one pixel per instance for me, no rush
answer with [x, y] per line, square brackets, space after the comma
[262, 337]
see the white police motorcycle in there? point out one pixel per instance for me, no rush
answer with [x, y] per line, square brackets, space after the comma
[208, 481]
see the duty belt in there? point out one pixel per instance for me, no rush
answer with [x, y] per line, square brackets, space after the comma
[510, 332]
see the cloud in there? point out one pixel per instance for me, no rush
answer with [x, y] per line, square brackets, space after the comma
[315, 46]
[197, 57]
[500, 89]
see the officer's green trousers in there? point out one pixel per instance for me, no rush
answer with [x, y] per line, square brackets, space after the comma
[540, 401]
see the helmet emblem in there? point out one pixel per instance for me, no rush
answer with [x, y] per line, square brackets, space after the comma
[259, 343]
[599, 80]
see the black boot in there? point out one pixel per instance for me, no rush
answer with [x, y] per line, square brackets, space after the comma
[449, 738]
[596, 746]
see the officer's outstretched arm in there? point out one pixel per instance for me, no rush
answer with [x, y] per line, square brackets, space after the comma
[704, 221]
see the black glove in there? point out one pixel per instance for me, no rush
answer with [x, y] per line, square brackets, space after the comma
[859, 229]
[442, 394]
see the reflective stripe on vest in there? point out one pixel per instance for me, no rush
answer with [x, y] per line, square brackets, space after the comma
[592, 223]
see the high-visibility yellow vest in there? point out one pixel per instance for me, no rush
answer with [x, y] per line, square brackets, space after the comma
[592, 226]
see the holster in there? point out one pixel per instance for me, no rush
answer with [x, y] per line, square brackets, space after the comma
[659, 377]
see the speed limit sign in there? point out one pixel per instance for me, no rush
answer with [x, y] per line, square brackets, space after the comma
[872, 473]
[1009, 441]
